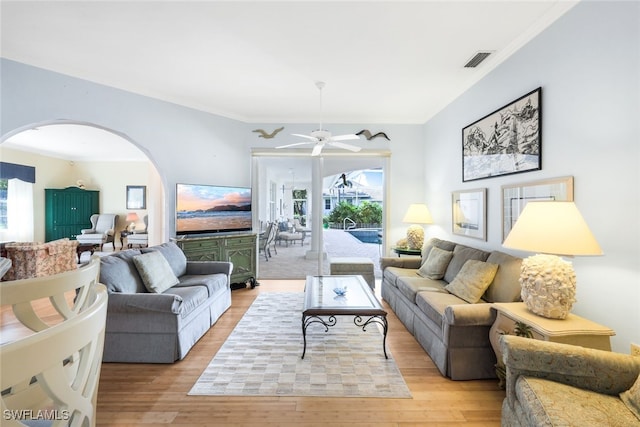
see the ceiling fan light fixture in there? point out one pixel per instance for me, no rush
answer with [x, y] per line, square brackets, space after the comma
[323, 137]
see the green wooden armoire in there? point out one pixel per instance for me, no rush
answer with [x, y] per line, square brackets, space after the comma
[67, 211]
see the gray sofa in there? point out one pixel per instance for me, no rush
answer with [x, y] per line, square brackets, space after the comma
[452, 330]
[160, 326]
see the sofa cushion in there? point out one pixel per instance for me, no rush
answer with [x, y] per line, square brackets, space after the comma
[631, 398]
[392, 274]
[505, 286]
[436, 243]
[410, 286]
[192, 297]
[433, 304]
[472, 280]
[174, 256]
[462, 254]
[155, 272]
[119, 274]
[546, 402]
[436, 264]
[212, 282]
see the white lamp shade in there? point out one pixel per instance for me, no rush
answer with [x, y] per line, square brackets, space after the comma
[418, 213]
[552, 228]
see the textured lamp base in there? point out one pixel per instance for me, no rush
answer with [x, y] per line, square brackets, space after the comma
[415, 237]
[548, 285]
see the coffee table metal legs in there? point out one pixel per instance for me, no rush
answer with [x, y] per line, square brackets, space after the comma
[357, 320]
[380, 320]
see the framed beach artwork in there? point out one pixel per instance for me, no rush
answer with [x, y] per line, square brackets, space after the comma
[506, 141]
[516, 196]
[469, 213]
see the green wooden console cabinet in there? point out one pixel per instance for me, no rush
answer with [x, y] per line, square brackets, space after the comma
[68, 210]
[238, 248]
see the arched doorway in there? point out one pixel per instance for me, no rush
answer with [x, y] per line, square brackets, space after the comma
[71, 153]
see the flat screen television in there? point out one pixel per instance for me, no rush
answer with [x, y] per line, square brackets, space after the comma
[205, 209]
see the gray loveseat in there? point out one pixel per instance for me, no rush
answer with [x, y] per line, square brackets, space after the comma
[453, 331]
[160, 326]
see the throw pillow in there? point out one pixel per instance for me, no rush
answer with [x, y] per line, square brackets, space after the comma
[473, 279]
[631, 398]
[174, 256]
[435, 264]
[155, 271]
[119, 274]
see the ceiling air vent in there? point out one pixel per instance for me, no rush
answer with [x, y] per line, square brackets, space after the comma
[477, 59]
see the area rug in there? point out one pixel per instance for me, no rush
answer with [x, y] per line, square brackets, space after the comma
[261, 357]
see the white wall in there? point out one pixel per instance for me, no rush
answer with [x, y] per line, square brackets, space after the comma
[588, 66]
[185, 145]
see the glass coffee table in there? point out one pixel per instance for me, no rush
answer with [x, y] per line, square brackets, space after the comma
[322, 305]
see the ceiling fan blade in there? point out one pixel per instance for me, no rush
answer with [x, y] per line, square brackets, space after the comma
[294, 144]
[313, 138]
[317, 149]
[347, 137]
[345, 146]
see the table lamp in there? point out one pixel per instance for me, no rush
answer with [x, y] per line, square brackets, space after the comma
[132, 218]
[550, 228]
[418, 213]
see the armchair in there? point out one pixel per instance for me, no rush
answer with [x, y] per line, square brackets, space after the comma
[139, 238]
[550, 383]
[284, 235]
[266, 239]
[101, 232]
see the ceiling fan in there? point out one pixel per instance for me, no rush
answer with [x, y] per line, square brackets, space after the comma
[323, 137]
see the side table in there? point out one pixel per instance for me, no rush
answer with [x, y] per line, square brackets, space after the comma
[573, 330]
[123, 235]
[406, 251]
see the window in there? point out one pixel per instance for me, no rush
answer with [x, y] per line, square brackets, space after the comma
[3, 203]
[300, 205]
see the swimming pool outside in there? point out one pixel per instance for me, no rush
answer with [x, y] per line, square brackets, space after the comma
[367, 235]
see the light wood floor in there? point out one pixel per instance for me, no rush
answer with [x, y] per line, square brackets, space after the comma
[137, 394]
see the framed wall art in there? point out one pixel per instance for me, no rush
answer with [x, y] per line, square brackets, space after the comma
[469, 213]
[136, 197]
[506, 141]
[515, 197]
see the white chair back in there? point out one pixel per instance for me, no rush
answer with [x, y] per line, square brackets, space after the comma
[56, 288]
[54, 373]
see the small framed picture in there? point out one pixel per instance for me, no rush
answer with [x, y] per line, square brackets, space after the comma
[469, 213]
[136, 197]
[516, 196]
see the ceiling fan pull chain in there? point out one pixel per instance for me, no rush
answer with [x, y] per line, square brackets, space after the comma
[320, 85]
